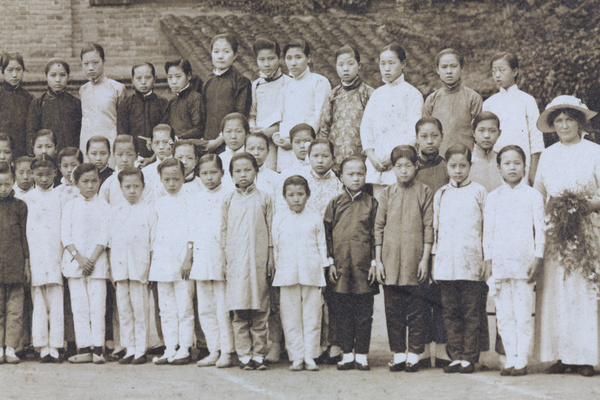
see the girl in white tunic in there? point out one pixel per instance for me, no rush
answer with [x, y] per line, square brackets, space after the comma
[207, 269]
[131, 225]
[248, 262]
[567, 306]
[45, 254]
[171, 264]
[84, 234]
[300, 257]
[302, 99]
[389, 118]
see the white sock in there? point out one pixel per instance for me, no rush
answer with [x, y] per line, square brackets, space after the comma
[455, 362]
[412, 358]
[258, 359]
[465, 364]
[130, 352]
[347, 357]
[309, 361]
[44, 351]
[53, 352]
[10, 352]
[361, 359]
[399, 358]
[245, 359]
[1, 351]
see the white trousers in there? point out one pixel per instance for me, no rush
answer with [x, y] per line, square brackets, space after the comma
[88, 302]
[301, 311]
[514, 305]
[214, 316]
[176, 313]
[132, 303]
[48, 317]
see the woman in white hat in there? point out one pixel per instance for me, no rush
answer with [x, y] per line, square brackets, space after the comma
[567, 311]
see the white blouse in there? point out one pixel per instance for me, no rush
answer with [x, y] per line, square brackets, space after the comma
[85, 225]
[129, 240]
[170, 237]
[513, 230]
[389, 121]
[44, 213]
[205, 230]
[299, 248]
[518, 113]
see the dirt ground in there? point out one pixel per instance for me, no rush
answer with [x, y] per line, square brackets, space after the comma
[31, 380]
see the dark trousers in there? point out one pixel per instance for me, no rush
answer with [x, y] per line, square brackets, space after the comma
[353, 318]
[68, 313]
[434, 320]
[111, 303]
[25, 340]
[405, 306]
[154, 289]
[463, 305]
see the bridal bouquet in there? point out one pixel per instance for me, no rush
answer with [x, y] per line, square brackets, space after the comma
[570, 236]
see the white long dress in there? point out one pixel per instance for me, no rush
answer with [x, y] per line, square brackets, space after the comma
[567, 307]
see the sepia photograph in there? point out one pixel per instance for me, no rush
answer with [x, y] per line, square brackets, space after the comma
[299, 199]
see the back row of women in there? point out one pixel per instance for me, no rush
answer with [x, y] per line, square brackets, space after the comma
[420, 236]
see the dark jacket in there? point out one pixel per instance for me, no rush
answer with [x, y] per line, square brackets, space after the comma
[185, 114]
[14, 107]
[59, 112]
[225, 94]
[138, 114]
[13, 240]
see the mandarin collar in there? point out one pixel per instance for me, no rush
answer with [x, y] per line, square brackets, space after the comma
[10, 87]
[327, 176]
[399, 80]
[249, 190]
[481, 153]
[356, 82]
[303, 75]
[273, 77]
[98, 81]
[185, 91]
[512, 88]
[430, 160]
[454, 88]
[221, 74]
[519, 185]
[10, 196]
[352, 197]
[464, 183]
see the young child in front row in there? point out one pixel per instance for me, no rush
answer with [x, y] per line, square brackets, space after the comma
[97, 151]
[84, 234]
[14, 265]
[403, 241]
[24, 182]
[300, 258]
[513, 244]
[172, 249]
[131, 225]
[44, 207]
[349, 221]
[207, 268]
[248, 261]
[458, 264]
[432, 171]
[125, 150]
[484, 167]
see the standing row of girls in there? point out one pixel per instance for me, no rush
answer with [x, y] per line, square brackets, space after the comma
[304, 99]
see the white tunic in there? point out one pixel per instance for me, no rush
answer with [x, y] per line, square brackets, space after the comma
[302, 100]
[85, 225]
[458, 229]
[518, 113]
[299, 248]
[205, 228]
[513, 230]
[99, 101]
[111, 192]
[44, 211]
[322, 190]
[20, 193]
[130, 236]
[267, 181]
[389, 121]
[170, 237]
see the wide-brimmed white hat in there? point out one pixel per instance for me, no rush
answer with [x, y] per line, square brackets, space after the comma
[558, 103]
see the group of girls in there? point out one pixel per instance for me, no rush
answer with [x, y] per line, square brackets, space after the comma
[253, 197]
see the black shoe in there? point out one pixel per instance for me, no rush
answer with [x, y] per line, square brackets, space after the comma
[156, 351]
[586, 370]
[362, 367]
[182, 361]
[126, 360]
[397, 367]
[557, 368]
[411, 367]
[71, 350]
[440, 363]
[507, 371]
[469, 369]
[519, 371]
[140, 360]
[333, 360]
[452, 369]
[260, 366]
[424, 363]
[112, 356]
[46, 359]
[346, 366]
[249, 366]
[322, 359]
[202, 353]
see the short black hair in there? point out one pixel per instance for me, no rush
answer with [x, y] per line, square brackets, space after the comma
[296, 180]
